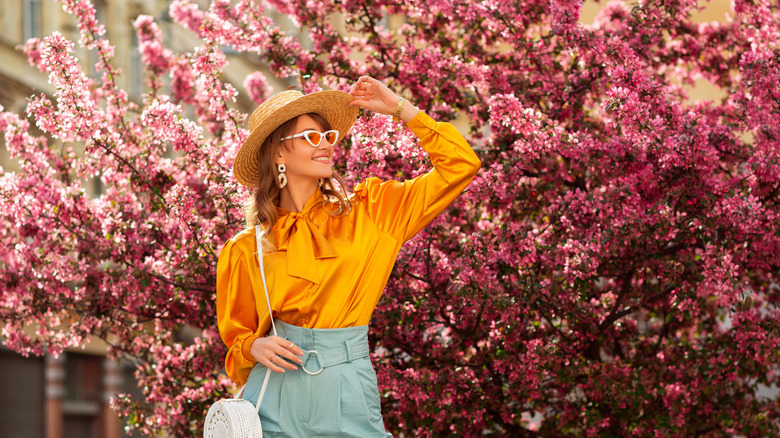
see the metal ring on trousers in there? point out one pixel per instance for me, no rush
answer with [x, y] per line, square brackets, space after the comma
[303, 365]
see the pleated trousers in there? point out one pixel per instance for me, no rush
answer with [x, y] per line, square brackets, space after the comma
[336, 395]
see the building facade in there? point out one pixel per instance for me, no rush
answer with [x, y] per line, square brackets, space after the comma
[68, 396]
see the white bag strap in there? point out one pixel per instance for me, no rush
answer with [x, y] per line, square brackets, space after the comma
[258, 234]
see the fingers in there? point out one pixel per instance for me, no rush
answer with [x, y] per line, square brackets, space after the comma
[279, 353]
[373, 95]
[360, 90]
[362, 84]
[270, 363]
[289, 351]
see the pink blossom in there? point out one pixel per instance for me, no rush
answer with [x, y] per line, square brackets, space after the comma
[257, 87]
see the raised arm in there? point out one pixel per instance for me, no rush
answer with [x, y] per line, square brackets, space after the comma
[402, 209]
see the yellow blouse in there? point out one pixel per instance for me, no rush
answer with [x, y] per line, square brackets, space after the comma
[329, 272]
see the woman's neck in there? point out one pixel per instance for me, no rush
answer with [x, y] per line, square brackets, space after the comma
[295, 195]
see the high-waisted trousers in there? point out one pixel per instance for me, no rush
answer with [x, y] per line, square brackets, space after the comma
[335, 395]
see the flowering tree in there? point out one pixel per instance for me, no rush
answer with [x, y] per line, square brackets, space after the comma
[612, 270]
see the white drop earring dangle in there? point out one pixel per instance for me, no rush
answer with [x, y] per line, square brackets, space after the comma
[281, 168]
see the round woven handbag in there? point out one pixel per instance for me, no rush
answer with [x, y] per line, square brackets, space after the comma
[232, 418]
[235, 417]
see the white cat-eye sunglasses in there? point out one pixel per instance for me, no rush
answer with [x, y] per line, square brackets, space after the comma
[315, 137]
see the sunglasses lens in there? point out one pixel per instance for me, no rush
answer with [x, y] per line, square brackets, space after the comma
[331, 136]
[314, 138]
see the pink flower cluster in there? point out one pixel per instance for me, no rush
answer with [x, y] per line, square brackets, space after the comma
[156, 58]
[612, 270]
[257, 86]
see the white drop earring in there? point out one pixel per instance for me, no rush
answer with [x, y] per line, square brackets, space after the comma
[281, 168]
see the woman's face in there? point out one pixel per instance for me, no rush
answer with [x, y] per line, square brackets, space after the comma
[303, 161]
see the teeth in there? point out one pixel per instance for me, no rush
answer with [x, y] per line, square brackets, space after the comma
[320, 159]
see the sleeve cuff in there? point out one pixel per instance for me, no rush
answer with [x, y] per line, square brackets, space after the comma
[246, 347]
[421, 124]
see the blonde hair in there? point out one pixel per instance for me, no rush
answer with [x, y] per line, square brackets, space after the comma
[261, 208]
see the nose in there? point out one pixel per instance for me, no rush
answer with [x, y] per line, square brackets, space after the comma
[324, 144]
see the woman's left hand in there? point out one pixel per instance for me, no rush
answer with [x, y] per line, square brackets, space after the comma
[373, 95]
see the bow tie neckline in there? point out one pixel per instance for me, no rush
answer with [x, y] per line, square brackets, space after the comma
[298, 233]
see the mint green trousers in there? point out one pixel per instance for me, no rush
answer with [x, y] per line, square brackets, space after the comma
[334, 394]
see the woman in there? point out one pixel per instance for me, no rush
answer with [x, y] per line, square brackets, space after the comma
[327, 257]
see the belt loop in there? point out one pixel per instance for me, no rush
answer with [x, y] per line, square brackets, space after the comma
[349, 351]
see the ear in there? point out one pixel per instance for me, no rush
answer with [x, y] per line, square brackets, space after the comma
[279, 159]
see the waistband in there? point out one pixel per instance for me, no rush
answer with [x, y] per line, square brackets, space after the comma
[326, 347]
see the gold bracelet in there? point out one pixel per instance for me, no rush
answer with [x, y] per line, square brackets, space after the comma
[398, 109]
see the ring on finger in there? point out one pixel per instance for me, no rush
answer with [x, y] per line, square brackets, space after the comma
[291, 346]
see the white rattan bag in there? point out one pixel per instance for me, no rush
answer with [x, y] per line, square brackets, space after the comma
[234, 417]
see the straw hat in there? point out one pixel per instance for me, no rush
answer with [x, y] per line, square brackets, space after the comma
[281, 107]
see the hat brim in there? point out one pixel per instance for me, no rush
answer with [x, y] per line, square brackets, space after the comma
[330, 104]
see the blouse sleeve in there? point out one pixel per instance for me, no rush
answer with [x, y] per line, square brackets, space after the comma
[237, 316]
[402, 209]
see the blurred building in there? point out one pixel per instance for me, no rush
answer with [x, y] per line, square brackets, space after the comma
[67, 396]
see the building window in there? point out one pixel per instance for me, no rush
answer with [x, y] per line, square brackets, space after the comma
[21, 395]
[93, 57]
[31, 19]
[130, 386]
[82, 406]
[136, 67]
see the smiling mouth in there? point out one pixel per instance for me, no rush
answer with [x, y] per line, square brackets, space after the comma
[322, 159]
